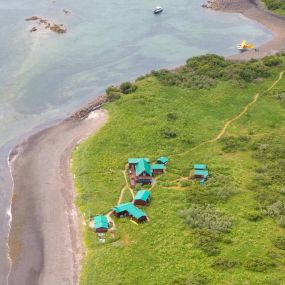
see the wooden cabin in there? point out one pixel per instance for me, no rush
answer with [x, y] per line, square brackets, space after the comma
[129, 209]
[142, 198]
[157, 169]
[101, 224]
[140, 171]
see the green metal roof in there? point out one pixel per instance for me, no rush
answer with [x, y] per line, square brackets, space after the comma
[163, 159]
[204, 173]
[157, 167]
[200, 166]
[131, 209]
[122, 207]
[101, 222]
[143, 166]
[136, 160]
[142, 195]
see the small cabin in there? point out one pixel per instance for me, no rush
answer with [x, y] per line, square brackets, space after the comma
[142, 198]
[138, 215]
[201, 174]
[157, 169]
[200, 166]
[101, 224]
[162, 160]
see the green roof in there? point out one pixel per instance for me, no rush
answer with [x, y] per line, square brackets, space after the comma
[163, 159]
[136, 160]
[142, 195]
[157, 167]
[143, 166]
[101, 222]
[131, 209]
[200, 166]
[122, 207]
[204, 173]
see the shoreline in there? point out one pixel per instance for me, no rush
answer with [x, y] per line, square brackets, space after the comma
[43, 203]
[253, 10]
[48, 264]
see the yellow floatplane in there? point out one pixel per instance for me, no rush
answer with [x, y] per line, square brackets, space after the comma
[245, 46]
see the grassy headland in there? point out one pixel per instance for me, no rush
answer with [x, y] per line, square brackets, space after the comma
[277, 6]
[231, 231]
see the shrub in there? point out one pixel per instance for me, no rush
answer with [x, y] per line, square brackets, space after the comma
[171, 117]
[272, 61]
[281, 221]
[279, 242]
[168, 133]
[276, 209]
[128, 87]
[207, 241]
[206, 217]
[197, 279]
[254, 217]
[258, 265]
[113, 96]
[225, 263]
[232, 144]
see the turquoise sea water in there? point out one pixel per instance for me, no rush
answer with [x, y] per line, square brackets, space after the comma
[45, 76]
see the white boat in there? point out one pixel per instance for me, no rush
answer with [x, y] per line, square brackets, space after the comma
[157, 10]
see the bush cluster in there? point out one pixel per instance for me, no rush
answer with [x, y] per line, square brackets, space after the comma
[233, 144]
[206, 217]
[275, 4]
[225, 263]
[258, 265]
[203, 72]
[114, 92]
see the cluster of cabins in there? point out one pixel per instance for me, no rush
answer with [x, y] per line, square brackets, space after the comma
[142, 172]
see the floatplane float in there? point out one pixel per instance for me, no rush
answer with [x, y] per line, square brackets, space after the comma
[245, 46]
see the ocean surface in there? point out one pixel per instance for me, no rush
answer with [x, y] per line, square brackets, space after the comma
[45, 76]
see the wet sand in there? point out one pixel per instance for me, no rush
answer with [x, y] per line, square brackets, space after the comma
[254, 10]
[45, 241]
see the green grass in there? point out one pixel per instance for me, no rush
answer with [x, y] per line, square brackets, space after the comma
[277, 6]
[165, 250]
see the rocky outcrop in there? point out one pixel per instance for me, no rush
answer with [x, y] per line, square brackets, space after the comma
[95, 105]
[56, 28]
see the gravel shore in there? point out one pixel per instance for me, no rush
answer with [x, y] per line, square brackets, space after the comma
[254, 10]
[45, 241]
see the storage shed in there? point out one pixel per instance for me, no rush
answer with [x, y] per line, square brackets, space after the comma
[200, 166]
[101, 224]
[201, 174]
[163, 159]
[157, 169]
[142, 198]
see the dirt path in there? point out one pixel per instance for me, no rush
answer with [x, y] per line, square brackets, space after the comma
[229, 122]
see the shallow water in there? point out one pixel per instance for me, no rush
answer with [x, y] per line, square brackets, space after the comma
[44, 76]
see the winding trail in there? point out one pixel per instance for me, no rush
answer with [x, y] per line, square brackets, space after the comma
[229, 122]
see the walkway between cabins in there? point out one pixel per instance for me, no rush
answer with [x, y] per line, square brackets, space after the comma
[216, 138]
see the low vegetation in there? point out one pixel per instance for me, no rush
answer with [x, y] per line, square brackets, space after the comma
[230, 231]
[277, 6]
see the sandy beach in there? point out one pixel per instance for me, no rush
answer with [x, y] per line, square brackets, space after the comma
[45, 243]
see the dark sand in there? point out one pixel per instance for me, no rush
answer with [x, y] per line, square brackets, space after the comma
[254, 10]
[45, 241]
